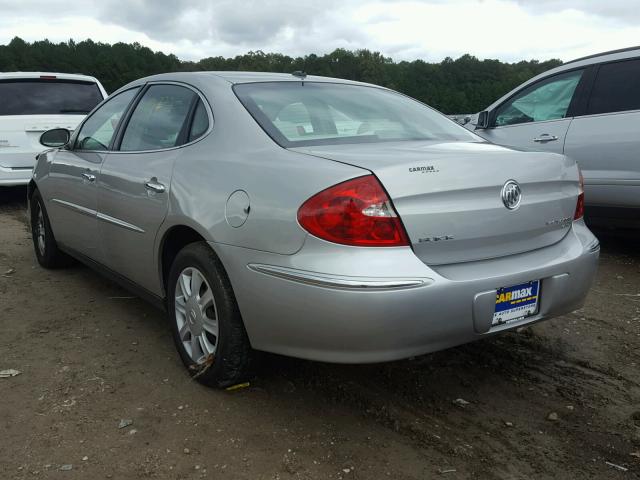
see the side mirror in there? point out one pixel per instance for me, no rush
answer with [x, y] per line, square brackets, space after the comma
[57, 137]
[483, 120]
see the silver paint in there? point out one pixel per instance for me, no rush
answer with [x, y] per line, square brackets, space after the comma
[302, 296]
[605, 145]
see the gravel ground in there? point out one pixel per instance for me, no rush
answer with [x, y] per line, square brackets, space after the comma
[558, 400]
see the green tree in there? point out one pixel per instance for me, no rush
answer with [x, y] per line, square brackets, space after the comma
[462, 85]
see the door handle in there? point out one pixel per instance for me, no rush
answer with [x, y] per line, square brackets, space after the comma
[89, 177]
[154, 186]
[545, 137]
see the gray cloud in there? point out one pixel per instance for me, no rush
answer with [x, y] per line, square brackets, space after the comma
[621, 11]
[159, 19]
[254, 21]
[299, 25]
[194, 29]
[248, 22]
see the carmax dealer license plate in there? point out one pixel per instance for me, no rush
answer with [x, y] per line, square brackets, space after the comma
[516, 302]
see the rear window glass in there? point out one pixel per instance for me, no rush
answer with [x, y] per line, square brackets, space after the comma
[47, 97]
[308, 113]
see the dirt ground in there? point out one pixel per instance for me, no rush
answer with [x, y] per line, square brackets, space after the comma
[557, 400]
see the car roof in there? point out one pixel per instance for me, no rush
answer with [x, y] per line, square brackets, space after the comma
[596, 56]
[250, 77]
[61, 76]
[235, 78]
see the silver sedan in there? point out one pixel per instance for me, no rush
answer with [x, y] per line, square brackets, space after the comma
[307, 216]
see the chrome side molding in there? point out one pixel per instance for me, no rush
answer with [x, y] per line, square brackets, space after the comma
[100, 216]
[73, 206]
[119, 223]
[337, 281]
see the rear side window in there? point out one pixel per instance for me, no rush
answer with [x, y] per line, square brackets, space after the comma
[545, 100]
[158, 119]
[617, 88]
[200, 122]
[48, 97]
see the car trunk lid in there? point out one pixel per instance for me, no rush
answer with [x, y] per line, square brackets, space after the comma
[448, 195]
[20, 135]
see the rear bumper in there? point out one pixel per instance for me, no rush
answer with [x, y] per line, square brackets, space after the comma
[15, 176]
[372, 305]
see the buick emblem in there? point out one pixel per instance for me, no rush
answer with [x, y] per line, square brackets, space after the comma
[511, 195]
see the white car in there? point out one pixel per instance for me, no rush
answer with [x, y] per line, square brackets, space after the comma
[32, 103]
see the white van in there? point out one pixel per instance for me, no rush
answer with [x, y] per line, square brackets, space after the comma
[32, 103]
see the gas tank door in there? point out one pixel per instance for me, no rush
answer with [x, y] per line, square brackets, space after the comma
[237, 209]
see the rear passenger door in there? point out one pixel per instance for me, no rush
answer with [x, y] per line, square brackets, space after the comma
[135, 179]
[606, 141]
[538, 116]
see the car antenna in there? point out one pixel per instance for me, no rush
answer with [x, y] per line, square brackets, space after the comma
[300, 74]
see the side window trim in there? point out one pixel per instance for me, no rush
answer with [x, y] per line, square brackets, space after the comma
[124, 123]
[493, 113]
[122, 126]
[580, 100]
[79, 128]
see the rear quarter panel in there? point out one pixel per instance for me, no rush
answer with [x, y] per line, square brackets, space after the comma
[607, 149]
[238, 155]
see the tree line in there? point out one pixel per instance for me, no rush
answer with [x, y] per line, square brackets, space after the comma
[463, 85]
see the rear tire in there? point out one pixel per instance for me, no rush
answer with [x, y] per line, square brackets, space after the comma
[205, 320]
[44, 243]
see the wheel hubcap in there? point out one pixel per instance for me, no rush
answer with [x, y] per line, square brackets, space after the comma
[40, 232]
[196, 315]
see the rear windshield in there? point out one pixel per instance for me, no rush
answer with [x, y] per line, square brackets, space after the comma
[307, 113]
[44, 97]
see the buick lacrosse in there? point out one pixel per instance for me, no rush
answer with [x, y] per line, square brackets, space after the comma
[308, 216]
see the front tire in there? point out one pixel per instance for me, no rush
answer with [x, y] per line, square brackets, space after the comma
[205, 320]
[44, 243]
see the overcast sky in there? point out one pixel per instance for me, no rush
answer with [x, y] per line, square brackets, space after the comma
[509, 30]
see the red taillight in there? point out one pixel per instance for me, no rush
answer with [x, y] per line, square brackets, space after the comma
[356, 212]
[580, 205]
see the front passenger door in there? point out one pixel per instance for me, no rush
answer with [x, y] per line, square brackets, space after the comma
[74, 173]
[136, 178]
[536, 117]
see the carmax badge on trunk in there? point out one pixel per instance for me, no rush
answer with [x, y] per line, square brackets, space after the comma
[511, 194]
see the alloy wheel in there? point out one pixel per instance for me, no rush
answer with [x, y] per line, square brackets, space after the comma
[196, 315]
[40, 231]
